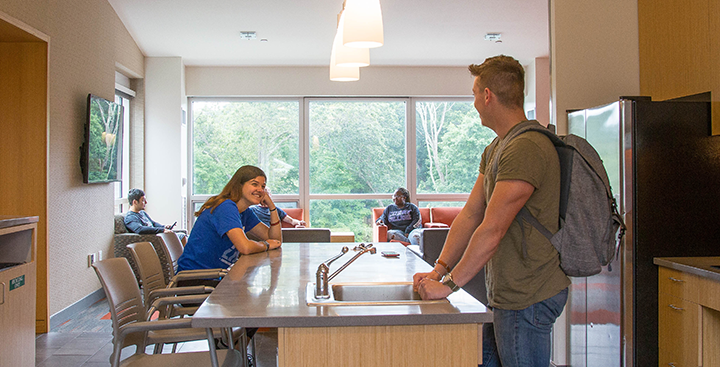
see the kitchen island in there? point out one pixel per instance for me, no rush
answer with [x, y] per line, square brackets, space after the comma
[270, 289]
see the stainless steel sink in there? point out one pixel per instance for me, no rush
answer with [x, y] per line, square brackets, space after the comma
[368, 294]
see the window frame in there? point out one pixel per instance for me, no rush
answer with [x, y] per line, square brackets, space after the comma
[120, 199]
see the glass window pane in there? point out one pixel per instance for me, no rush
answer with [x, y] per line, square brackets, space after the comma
[450, 143]
[227, 135]
[346, 216]
[439, 204]
[356, 146]
[122, 186]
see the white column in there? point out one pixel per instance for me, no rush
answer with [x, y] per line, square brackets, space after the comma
[164, 99]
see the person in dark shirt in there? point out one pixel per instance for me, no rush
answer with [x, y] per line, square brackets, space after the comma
[138, 221]
[402, 219]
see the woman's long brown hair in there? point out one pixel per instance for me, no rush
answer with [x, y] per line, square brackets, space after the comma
[233, 189]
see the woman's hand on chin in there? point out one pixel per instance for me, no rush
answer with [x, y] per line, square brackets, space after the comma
[266, 200]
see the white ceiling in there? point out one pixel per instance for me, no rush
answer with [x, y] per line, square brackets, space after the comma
[300, 32]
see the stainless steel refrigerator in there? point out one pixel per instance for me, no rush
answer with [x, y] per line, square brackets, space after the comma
[664, 168]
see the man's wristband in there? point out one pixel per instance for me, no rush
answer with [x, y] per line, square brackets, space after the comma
[274, 224]
[443, 264]
[267, 246]
[273, 209]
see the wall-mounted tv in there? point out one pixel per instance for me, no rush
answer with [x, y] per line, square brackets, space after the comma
[101, 153]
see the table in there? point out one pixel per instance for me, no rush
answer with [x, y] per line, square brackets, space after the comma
[268, 290]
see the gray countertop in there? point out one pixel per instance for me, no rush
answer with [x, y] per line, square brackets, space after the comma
[700, 266]
[12, 221]
[269, 290]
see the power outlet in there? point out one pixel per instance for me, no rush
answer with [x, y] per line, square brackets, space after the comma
[91, 259]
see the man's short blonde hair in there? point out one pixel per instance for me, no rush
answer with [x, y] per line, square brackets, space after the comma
[505, 77]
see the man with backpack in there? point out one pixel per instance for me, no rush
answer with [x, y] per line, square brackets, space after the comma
[526, 287]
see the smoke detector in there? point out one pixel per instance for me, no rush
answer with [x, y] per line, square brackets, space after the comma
[495, 37]
[248, 35]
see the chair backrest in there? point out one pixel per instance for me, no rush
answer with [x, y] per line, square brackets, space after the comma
[149, 268]
[297, 213]
[377, 213]
[306, 235]
[123, 296]
[445, 215]
[172, 247]
[120, 224]
[424, 216]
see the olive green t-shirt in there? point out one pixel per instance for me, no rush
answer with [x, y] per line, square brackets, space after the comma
[515, 281]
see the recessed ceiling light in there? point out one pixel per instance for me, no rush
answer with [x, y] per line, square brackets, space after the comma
[495, 37]
[263, 40]
[248, 35]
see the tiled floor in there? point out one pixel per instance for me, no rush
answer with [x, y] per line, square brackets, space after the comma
[86, 341]
[93, 349]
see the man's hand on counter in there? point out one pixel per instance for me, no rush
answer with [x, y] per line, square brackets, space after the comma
[418, 277]
[429, 286]
[433, 289]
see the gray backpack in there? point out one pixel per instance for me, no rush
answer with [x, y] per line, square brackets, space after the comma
[589, 219]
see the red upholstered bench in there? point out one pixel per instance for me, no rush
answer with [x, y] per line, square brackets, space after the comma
[442, 217]
[297, 213]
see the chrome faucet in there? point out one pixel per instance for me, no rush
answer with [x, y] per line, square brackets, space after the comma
[322, 279]
[321, 276]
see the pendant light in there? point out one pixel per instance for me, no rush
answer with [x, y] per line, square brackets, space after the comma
[363, 26]
[348, 56]
[342, 73]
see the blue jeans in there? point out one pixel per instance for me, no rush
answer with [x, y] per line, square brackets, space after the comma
[521, 338]
[413, 237]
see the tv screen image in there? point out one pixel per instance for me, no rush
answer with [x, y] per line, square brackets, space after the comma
[101, 160]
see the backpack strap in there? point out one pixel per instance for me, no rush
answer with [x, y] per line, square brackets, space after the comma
[524, 213]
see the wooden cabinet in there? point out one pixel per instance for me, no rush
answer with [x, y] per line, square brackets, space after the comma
[24, 149]
[679, 331]
[679, 46]
[688, 320]
[370, 346]
[17, 294]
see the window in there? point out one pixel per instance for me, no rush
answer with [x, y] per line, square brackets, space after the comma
[356, 147]
[450, 143]
[227, 134]
[122, 187]
[338, 157]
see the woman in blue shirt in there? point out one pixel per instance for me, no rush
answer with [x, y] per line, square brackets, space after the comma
[218, 237]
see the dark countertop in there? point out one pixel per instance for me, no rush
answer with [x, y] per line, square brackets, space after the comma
[700, 266]
[12, 221]
[269, 290]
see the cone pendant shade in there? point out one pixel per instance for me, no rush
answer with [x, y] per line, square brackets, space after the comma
[342, 73]
[348, 56]
[363, 26]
